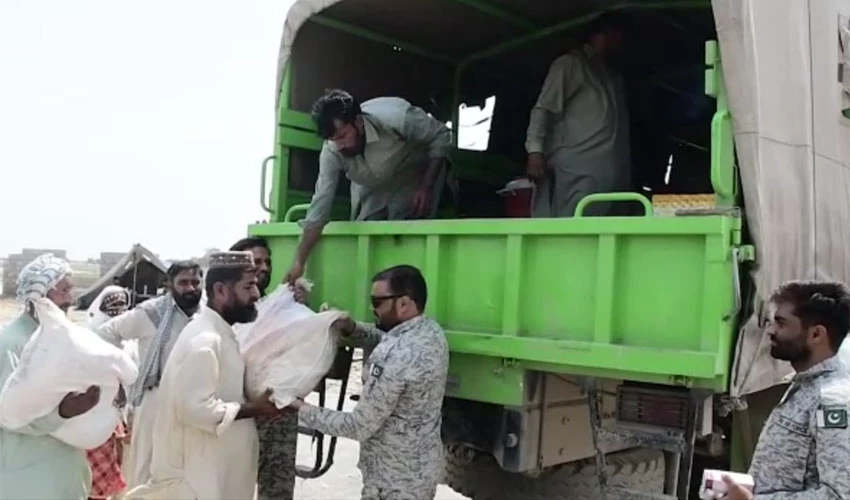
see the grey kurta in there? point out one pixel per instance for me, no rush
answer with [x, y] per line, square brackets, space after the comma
[580, 123]
[400, 141]
[398, 417]
[804, 448]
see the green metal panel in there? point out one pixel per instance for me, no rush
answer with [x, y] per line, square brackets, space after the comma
[638, 298]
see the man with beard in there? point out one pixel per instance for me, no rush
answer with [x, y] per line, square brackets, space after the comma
[205, 440]
[397, 419]
[278, 438]
[804, 448]
[155, 325]
[34, 464]
[578, 132]
[394, 153]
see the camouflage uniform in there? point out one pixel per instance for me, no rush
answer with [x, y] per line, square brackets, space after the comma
[278, 442]
[397, 420]
[804, 449]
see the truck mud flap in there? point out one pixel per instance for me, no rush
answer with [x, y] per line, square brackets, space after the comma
[322, 462]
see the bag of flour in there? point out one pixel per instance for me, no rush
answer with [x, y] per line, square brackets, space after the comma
[62, 358]
[288, 349]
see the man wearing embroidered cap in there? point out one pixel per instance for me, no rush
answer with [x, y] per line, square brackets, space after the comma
[205, 440]
[804, 448]
[32, 463]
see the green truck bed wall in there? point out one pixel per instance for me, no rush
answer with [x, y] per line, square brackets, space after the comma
[636, 298]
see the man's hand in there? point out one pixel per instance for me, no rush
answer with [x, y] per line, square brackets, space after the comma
[300, 295]
[536, 168]
[422, 201]
[345, 325]
[295, 272]
[260, 408]
[75, 404]
[736, 491]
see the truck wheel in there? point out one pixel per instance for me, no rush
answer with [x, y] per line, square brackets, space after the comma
[482, 479]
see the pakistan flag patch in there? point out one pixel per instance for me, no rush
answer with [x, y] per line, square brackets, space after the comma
[832, 417]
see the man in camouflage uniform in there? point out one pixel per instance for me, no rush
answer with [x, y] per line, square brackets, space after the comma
[804, 450]
[278, 438]
[397, 419]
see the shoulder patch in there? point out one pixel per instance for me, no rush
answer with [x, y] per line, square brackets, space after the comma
[832, 417]
[376, 371]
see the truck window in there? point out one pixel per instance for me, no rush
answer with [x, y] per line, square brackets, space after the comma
[474, 130]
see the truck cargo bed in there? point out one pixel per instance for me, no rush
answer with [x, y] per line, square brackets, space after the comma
[641, 298]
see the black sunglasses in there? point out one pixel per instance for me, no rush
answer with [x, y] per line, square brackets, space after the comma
[378, 300]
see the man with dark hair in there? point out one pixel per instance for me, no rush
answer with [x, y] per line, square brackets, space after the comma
[804, 448]
[578, 132]
[155, 325]
[397, 419]
[262, 259]
[394, 153]
[205, 441]
[278, 438]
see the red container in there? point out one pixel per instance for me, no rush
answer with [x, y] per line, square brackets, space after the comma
[517, 195]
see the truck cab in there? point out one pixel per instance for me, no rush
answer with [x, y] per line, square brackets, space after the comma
[590, 356]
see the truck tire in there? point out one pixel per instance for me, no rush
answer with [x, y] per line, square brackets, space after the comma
[482, 479]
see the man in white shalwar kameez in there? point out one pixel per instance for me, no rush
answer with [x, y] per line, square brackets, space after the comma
[205, 440]
[154, 325]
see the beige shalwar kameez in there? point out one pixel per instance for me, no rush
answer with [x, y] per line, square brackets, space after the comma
[200, 450]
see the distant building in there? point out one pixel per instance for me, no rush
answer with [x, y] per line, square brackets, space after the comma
[108, 260]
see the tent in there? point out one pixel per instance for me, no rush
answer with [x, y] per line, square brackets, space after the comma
[139, 271]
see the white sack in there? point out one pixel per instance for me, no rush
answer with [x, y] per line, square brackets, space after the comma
[288, 349]
[61, 358]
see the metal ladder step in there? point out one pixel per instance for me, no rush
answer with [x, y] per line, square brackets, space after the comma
[673, 442]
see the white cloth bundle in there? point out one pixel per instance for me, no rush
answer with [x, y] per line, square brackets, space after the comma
[288, 349]
[62, 358]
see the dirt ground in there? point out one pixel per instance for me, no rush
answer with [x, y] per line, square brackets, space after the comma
[343, 480]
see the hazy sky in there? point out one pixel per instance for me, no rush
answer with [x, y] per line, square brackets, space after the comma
[125, 122]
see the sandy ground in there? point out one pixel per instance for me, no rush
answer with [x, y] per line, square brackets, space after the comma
[343, 479]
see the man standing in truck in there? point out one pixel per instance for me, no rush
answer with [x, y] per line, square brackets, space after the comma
[804, 449]
[397, 419]
[394, 153]
[578, 131]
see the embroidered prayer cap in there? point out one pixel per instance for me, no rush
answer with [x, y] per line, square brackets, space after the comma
[232, 260]
[40, 276]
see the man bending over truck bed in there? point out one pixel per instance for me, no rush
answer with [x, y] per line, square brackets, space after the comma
[578, 131]
[393, 153]
[397, 420]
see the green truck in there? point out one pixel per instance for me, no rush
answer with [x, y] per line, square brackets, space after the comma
[590, 356]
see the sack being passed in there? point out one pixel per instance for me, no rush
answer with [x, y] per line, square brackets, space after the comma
[62, 358]
[288, 349]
